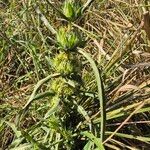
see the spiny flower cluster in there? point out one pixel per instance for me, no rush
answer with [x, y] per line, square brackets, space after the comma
[61, 87]
[67, 39]
[65, 62]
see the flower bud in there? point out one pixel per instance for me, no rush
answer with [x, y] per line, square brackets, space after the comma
[72, 10]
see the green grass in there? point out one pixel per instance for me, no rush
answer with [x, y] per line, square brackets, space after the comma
[110, 104]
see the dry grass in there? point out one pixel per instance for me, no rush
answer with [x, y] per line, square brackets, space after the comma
[117, 39]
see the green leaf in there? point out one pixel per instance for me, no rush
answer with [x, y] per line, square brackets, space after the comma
[43, 95]
[88, 145]
[36, 88]
[68, 10]
[33, 95]
[101, 94]
[35, 143]
[83, 112]
[97, 141]
[25, 146]
[54, 107]
[16, 143]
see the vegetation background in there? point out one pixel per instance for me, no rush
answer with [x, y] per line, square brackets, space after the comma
[116, 54]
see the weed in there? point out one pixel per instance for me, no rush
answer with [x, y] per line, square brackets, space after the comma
[74, 75]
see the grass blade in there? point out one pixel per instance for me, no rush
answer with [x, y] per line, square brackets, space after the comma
[14, 128]
[25, 146]
[96, 141]
[128, 136]
[57, 10]
[85, 6]
[138, 108]
[101, 94]
[45, 21]
[38, 85]
[88, 146]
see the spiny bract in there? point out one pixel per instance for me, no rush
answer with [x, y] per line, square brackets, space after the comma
[67, 39]
[61, 87]
[64, 63]
[72, 10]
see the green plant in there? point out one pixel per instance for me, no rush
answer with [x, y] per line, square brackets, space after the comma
[89, 98]
[72, 10]
[61, 87]
[67, 39]
[64, 64]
